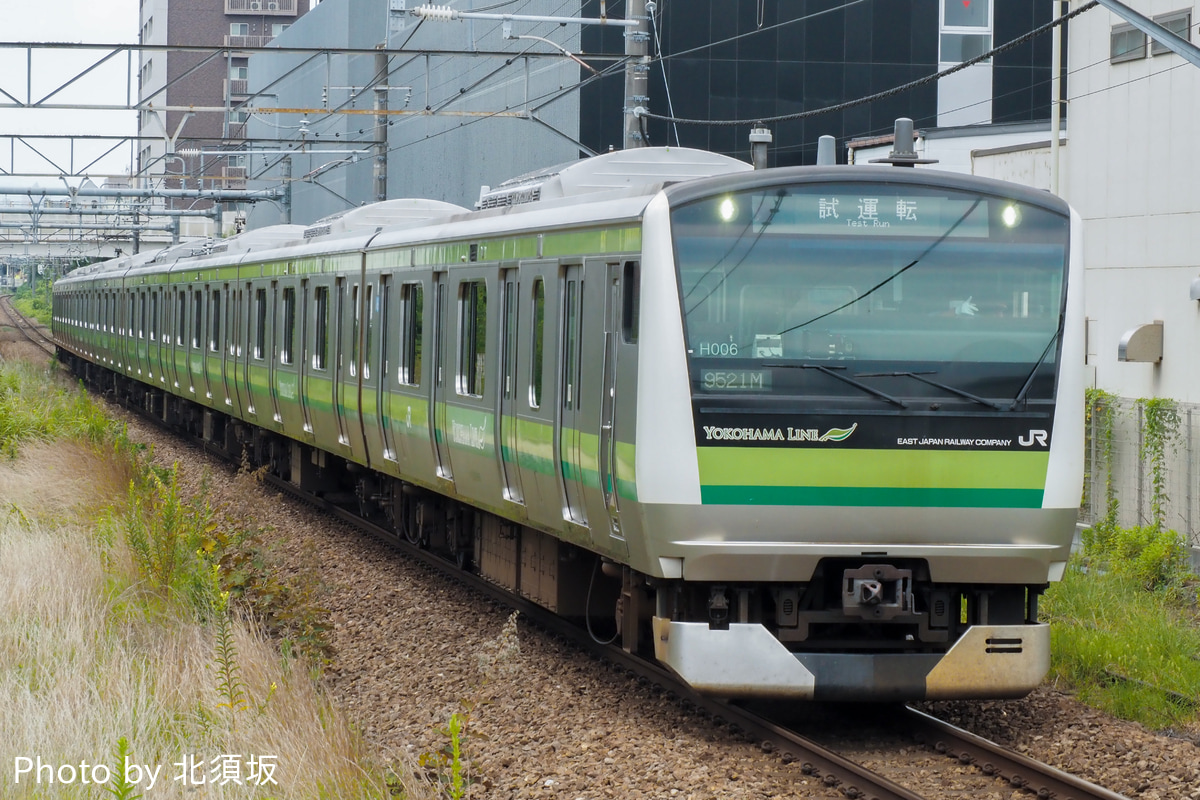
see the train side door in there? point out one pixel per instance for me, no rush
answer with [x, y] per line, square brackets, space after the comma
[338, 356]
[387, 358]
[366, 402]
[441, 335]
[141, 352]
[605, 455]
[227, 334]
[316, 386]
[506, 419]
[273, 363]
[254, 340]
[571, 421]
[199, 375]
[348, 381]
[303, 364]
[536, 398]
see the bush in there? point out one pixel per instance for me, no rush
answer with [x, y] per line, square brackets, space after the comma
[1154, 557]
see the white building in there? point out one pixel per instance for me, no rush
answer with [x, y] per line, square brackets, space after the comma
[1129, 168]
[1133, 176]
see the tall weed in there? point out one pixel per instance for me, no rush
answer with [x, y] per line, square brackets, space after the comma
[168, 536]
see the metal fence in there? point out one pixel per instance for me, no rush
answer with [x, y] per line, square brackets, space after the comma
[1131, 473]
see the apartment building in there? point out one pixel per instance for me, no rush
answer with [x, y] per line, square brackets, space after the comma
[191, 127]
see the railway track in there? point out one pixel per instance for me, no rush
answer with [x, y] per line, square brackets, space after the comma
[25, 327]
[990, 758]
[839, 775]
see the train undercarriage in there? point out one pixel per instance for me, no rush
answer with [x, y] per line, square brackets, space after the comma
[855, 623]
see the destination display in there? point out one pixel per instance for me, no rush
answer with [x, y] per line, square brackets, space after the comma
[871, 212]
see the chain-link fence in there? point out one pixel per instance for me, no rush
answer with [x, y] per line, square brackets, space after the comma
[1117, 455]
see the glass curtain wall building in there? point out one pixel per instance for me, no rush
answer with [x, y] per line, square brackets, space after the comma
[756, 59]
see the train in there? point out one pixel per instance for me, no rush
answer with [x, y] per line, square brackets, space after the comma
[799, 433]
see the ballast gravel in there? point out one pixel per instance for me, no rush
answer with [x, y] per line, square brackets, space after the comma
[550, 722]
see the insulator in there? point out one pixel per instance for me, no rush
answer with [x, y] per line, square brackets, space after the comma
[436, 13]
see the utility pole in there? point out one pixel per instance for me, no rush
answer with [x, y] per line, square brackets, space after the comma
[286, 203]
[380, 170]
[1055, 100]
[637, 72]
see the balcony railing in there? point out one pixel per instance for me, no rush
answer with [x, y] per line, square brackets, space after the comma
[234, 177]
[247, 41]
[274, 7]
[237, 87]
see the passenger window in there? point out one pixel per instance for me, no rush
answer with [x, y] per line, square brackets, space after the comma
[509, 340]
[472, 337]
[197, 319]
[412, 312]
[630, 299]
[180, 315]
[368, 332]
[260, 323]
[354, 330]
[288, 345]
[539, 338]
[154, 323]
[214, 343]
[321, 351]
[385, 327]
[570, 397]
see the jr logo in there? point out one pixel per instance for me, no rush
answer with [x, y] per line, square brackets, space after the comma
[1034, 436]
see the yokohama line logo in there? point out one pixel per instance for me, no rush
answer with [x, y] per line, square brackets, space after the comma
[714, 434]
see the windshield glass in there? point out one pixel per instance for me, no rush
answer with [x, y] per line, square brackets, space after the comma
[898, 287]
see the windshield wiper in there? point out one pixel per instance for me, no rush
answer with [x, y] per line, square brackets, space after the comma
[920, 376]
[1029, 381]
[843, 378]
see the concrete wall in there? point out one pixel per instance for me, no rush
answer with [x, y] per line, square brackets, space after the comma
[468, 139]
[1133, 177]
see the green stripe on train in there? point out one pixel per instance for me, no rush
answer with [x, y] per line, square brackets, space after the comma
[870, 496]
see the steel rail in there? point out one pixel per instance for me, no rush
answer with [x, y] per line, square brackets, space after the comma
[1020, 771]
[834, 771]
[26, 328]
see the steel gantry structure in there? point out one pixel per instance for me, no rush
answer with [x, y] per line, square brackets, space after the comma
[56, 188]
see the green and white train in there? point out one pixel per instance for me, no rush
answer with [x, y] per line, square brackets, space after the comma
[801, 433]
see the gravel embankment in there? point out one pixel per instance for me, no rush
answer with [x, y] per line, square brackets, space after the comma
[559, 724]
[555, 723]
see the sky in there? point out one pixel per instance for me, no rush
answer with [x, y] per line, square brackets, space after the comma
[92, 21]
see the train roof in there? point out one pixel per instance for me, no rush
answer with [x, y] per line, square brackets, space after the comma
[610, 186]
[403, 213]
[617, 171]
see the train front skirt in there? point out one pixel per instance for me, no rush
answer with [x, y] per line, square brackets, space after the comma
[992, 661]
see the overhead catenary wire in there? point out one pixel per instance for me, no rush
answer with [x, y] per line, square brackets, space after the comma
[651, 8]
[1077, 71]
[1017, 42]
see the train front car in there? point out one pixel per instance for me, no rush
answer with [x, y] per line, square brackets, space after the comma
[859, 431]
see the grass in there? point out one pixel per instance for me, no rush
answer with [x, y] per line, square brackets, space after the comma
[35, 303]
[118, 641]
[1127, 650]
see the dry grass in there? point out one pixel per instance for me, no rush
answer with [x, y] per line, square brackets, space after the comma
[87, 656]
[55, 481]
